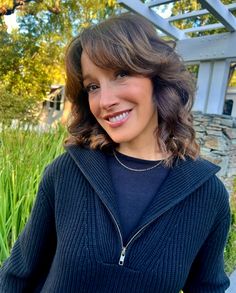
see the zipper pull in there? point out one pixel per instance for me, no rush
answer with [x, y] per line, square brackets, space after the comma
[122, 256]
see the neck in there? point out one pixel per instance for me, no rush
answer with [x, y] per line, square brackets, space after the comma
[149, 152]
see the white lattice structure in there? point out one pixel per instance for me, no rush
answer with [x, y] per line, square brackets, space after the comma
[214, 53]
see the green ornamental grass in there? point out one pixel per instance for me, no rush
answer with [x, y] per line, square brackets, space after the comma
[23, 157]
[230, 249]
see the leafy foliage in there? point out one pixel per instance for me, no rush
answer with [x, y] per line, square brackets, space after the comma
[12, 105]
[6, 4]
[32, 57]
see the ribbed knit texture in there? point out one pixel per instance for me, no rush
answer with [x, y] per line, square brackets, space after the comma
[134, 190]
[71, 243]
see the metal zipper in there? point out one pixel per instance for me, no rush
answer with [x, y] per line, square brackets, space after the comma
[123, 248]
[114, 220]
[122, 256]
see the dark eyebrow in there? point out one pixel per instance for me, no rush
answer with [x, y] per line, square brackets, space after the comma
[86, 76]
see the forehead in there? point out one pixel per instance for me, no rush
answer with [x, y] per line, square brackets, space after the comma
[90, 70]
[87, 66]
[85, 61]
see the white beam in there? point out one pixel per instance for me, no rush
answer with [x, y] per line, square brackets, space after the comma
[212, 47]
[218, 87]
[203, 28]
[196, 13]
[159, 2]
[211, 86]
[203, 85]
[159, 22]
[218, 9]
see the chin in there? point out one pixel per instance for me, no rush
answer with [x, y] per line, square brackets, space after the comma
[116, 140]
[120, 140]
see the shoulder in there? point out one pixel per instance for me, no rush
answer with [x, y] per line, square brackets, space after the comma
[217, 194]
[59, 164]
[200, 177]
[213, 189]
[213, 184]
[196, 167]
[58, 170]
[71, 162]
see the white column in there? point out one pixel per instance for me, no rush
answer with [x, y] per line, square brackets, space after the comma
[218, 87]
[203, 85]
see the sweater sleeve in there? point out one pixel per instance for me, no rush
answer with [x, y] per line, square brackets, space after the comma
[207, 273]
[26, 268]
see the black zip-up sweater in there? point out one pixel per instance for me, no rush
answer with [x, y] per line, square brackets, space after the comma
[72, 241]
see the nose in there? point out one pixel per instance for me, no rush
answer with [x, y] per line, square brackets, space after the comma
[108, 98]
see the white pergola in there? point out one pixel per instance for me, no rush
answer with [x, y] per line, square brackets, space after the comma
[214, 53]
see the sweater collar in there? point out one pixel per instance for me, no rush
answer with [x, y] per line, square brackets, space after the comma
[93, 165]
[183, 179]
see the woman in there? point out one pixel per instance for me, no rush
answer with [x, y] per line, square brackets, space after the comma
[130, 207]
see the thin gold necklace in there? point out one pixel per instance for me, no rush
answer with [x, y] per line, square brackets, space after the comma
[132, 169]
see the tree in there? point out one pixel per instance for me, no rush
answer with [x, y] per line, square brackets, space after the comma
[32, 57]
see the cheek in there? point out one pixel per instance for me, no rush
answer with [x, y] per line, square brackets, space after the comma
[94, 106]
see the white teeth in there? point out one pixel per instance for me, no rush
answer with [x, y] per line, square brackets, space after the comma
[118, 117]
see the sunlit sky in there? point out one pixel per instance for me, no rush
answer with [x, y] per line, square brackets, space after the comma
[11, 22]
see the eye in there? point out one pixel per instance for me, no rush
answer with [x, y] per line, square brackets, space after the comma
[122, 73]
[91, 88]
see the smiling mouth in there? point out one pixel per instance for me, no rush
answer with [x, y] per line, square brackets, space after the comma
[118, 117]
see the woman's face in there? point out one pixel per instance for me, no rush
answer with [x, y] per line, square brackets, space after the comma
[122, 103]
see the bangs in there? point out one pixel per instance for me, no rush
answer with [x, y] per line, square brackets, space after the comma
[104, 53]
[117, 46]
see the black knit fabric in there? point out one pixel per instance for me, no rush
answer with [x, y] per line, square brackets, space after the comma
[72, 241]
[134, 190]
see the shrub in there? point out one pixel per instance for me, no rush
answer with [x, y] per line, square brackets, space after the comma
[13, 106]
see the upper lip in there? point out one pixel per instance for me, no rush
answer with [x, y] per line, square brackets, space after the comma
[108, 116]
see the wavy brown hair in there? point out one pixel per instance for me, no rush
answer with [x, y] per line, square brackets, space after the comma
[130, 42]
